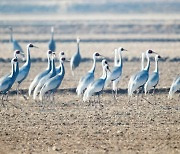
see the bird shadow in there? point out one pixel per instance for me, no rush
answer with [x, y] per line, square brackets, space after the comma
[107, 91]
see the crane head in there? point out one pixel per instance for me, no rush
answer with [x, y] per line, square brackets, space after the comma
[151, 51]
[159, 56]
[32, 46]
[49, 52]
[122, 49]
[62, 53]
[14, 60]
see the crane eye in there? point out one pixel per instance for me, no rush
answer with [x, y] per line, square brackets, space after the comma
[62, 53]
[159, 56]
[15, 60]
[31, 45]
[63, 59]
[17, 52]
[107, 67]
[150, 51]
[49, 52]
[106, 62]
[97, 54]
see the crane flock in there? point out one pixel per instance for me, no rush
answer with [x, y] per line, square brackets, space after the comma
[46, 83]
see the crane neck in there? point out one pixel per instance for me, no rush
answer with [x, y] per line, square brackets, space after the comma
[53, 68]
[49, 63]
[11, 36]
[120, 59]
[12, 70]
[104, 75]
[52, 35]
[156, 66]
[60, 63]
[148, 63]
[62, 72]
[94, 65]
[28, 57]
[78, 49]
[142, 62]
[115, 58]
[17, 68]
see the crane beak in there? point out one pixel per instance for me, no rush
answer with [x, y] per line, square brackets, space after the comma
[155, 52]
[68, 60]
[125, 50]
[35, 46]
[101, 56]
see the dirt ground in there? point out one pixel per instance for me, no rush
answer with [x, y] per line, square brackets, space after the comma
[69, 125]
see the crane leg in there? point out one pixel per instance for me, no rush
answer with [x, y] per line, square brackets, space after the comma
[114, 95]
[129, 99]
[2, 100]
[17, 93]
[7, 96]
[147, 100]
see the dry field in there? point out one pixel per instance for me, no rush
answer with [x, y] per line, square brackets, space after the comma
[69, 125]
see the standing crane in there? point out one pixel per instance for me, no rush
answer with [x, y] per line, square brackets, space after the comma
[97, 86]
[88, 78]
[116, 73]
[153, 78]
[53, 83]
[7, 82]
[24, 70]
[15, 43]
[42, 74]
[76, 58]
[139, 79]
[43, 80]
[52, 43]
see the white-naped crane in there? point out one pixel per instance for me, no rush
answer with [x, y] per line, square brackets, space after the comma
[38, 77]
[140, 78]
[24, 70]
[116, 73]
[76, 58]
[89, 77]
[15, 43]
[52, 43]
[97, 86]
[153, 79]
[175, 86]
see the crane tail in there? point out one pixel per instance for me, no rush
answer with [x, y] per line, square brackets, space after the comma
[42, 93]
[36, 90]
[31, 88]
[172, 90]
[78, 90]
[146, 88]
[85, 96]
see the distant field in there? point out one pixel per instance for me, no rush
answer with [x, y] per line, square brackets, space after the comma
[137, 33]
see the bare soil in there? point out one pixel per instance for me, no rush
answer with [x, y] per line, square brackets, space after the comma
[69, 125]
